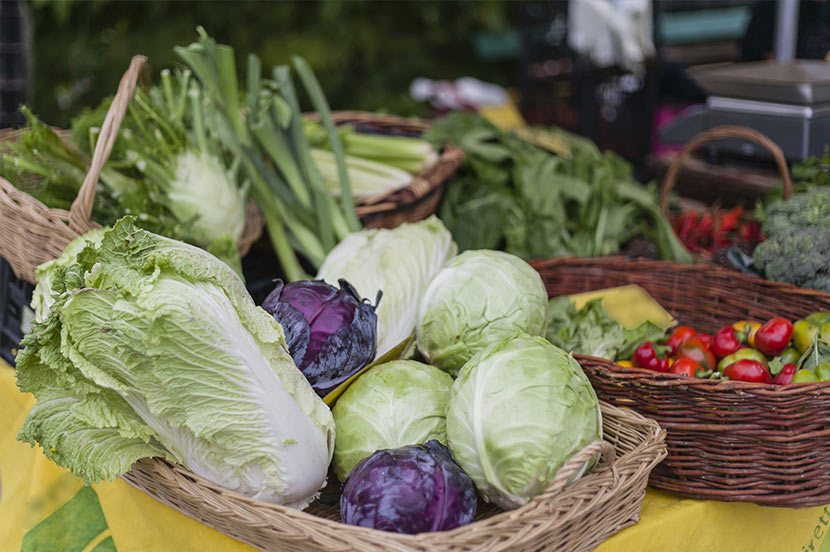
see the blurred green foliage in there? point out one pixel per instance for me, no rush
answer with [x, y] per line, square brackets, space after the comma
[365, 53]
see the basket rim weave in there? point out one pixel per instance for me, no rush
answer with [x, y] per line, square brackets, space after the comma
[606, 483]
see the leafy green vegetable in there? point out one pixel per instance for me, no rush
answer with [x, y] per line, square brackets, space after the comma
[42, 296]
[400, 263]
[591, 330]
[392, 405]
[534, 203]
[519, 410]
[153, 348]
[478, 298]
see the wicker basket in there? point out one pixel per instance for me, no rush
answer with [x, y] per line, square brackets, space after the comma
[722, 133]
[727, 440]
[571, 518]
[31, 234]
[419, 199]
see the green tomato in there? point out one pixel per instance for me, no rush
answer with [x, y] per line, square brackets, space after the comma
[804, 376]
[823, 371]
[804, 333]
[789, 356]
[741, 354]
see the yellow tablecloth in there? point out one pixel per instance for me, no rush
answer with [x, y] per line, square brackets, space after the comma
[45, 509]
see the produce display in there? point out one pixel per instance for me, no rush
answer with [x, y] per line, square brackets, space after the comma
[150, 347]
[193, 147]
[537, 202]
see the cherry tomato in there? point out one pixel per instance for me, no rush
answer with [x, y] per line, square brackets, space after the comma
[646, 356]
[725, 342]
[706, 339]
[774, 336]
[685, 367]
[678, 336]
[748, 370]
[786, 375]
[694, 349]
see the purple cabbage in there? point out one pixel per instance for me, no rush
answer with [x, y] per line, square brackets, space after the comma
[412, 489]
[331, 333]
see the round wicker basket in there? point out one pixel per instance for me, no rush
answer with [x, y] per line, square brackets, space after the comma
[573, 518]
[727, 440]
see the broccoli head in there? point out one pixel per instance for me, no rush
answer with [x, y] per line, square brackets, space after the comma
[802, 210]
[799, 256]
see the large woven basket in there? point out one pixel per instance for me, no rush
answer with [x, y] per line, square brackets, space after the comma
[727, 440]
[419, 199]
[572, 518]
[31, 233]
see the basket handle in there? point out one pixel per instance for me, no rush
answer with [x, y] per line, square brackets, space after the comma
[578, 460]
[81, 210]
[719, 133]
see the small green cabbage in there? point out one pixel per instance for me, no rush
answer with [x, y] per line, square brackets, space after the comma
[480, 297]
[518, 411]
[395, 404]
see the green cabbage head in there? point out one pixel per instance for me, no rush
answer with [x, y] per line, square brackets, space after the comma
[153, 348]
[478, 298]
[392, 405]
[518, 411]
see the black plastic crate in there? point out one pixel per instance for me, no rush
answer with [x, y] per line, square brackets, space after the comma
[15, 314]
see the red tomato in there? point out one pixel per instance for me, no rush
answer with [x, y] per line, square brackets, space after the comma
[774, 336]
[748, 370]
[694, 349]
[706, 339]
[725, 342]
[785, 376]
[678, 336]
[685, 367]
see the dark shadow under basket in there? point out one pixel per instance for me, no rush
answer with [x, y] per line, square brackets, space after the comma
[419, 199]
[731, 441]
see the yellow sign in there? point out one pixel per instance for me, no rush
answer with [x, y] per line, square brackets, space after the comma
[628, 305]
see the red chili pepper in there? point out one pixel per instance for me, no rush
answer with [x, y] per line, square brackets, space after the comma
[685, 367]
[785, 376]
[725, 342]
[774, 336]
[750, 232]
[748, 370]
[678, 336]
[694, 349]
[729, 221]
[646, 355]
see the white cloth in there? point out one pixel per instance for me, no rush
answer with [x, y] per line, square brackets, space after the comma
[612, 32]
